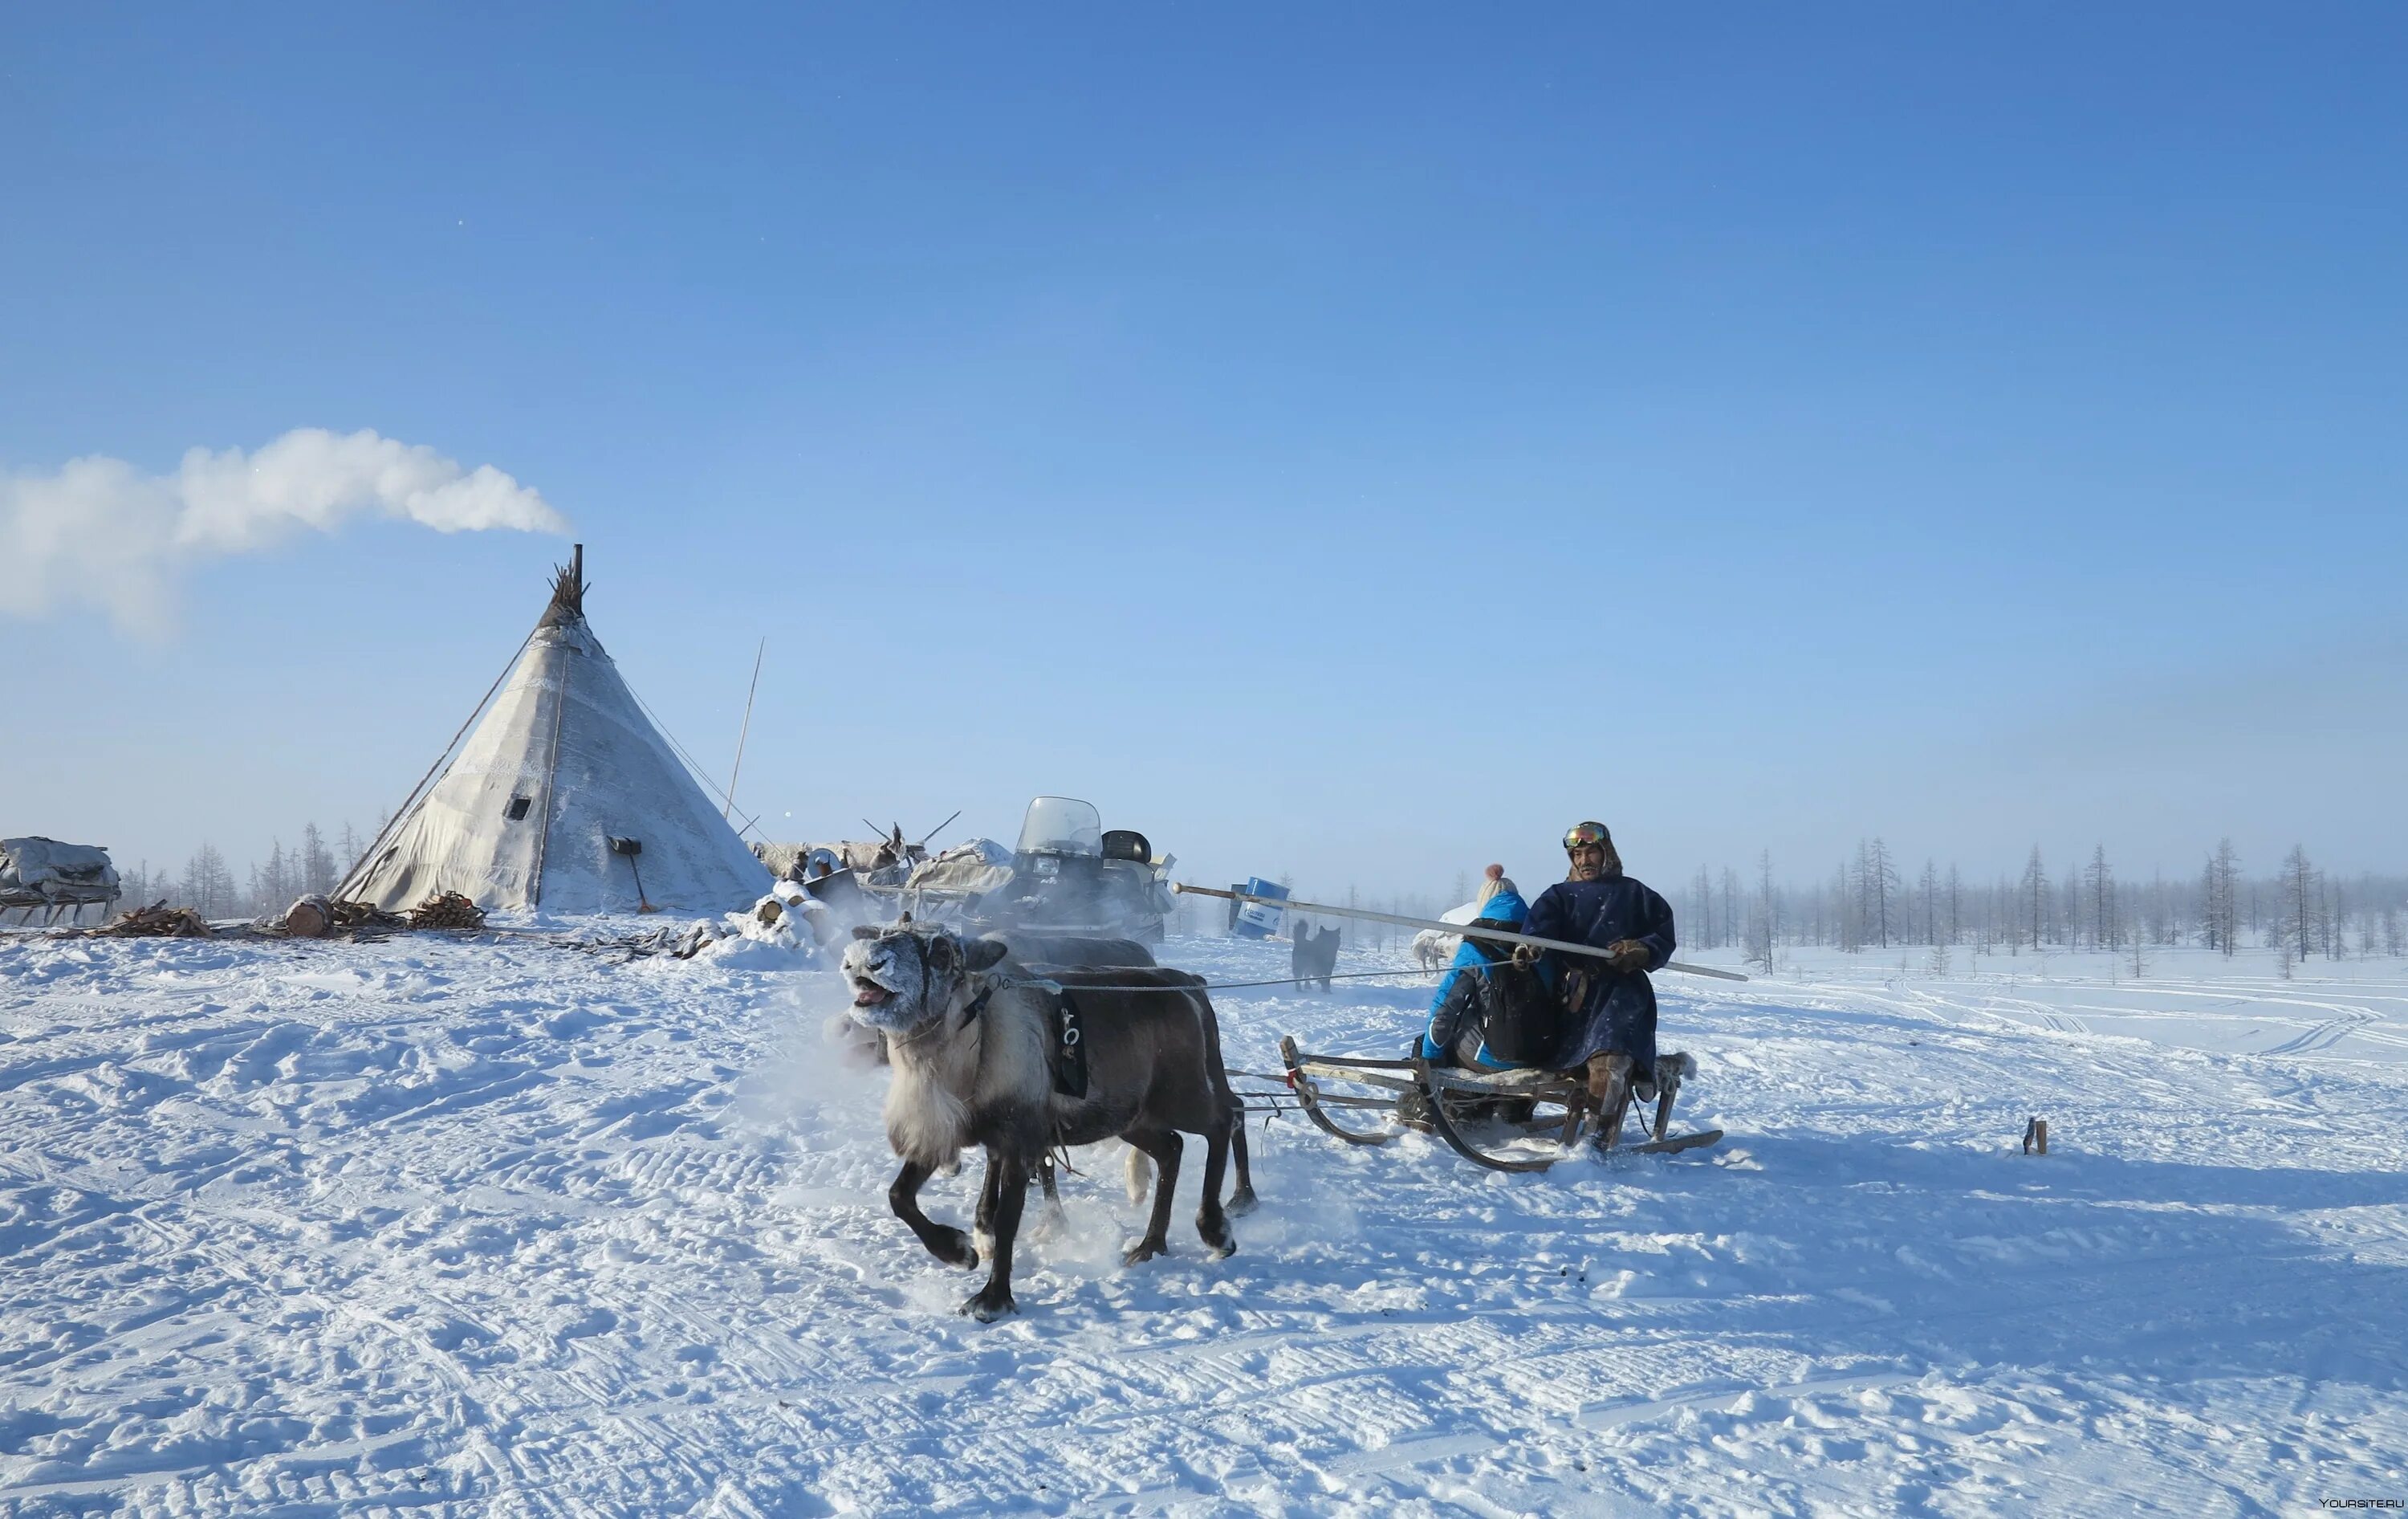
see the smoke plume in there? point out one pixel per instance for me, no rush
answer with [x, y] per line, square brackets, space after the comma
[101, 533]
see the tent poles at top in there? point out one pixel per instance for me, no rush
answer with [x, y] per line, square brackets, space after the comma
[744, 732]
[411, 800]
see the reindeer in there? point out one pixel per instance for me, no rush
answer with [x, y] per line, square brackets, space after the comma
[973, 1042]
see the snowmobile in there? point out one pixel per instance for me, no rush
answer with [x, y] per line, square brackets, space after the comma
[1067, 874]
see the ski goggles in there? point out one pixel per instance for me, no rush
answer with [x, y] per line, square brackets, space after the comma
[1582, 835]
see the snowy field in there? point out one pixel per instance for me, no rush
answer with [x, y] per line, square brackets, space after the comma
[455, 1229]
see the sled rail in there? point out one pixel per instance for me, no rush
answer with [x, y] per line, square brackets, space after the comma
[1462, 1108]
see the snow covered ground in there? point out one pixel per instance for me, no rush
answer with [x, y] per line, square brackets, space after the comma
[507, 1228]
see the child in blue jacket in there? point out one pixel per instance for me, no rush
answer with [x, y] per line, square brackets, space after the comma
[1458, 1009]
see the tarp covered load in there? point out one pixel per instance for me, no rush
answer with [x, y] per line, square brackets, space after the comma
[787, 861]
[43, 873]
[980, 865]
[565, 798]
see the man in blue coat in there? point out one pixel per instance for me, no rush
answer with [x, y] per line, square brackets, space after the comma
[1610, 1002]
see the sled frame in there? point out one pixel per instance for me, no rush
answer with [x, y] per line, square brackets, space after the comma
[1445, 1088]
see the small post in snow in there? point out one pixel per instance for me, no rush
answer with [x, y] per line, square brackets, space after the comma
[2036, 1137]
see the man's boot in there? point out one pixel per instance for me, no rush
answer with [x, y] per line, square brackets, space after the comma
[1608, 1088]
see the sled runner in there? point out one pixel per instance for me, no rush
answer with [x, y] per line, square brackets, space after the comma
[1492, 1119]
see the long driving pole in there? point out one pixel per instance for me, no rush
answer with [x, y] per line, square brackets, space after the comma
[741, 734]
[1494, 934]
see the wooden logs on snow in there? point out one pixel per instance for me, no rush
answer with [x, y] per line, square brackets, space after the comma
[310, 917]
[446, 910]
[157, 921]
[364, 916]
[317, 916]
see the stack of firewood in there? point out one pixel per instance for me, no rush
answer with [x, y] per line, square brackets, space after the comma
[363, 915]
[447, 909]
[157, 921]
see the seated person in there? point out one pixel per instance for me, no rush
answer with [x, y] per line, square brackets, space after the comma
[1461, 1007]
[1610, 1038]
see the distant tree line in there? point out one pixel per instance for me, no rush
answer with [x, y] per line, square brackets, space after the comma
[1869, 903]
[209, 885]
[2298, 911]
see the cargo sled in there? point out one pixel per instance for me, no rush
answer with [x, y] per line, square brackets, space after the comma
[42, 875]
[1506, 1121]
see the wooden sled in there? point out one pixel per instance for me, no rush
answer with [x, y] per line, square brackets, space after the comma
[1452, 1101]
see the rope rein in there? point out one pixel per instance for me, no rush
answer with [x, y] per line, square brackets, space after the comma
[1244, 986]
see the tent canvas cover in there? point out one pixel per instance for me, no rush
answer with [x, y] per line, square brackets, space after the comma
[563, 762]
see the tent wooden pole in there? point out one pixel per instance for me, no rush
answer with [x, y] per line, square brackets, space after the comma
[552, 772]
[744, 732]
[394, 822]
[1465, 930]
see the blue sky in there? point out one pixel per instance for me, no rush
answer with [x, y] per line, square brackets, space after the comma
[1355, 442]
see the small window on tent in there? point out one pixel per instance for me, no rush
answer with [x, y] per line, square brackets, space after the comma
[518, 806]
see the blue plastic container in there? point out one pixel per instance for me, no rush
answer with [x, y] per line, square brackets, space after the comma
[1260, 919]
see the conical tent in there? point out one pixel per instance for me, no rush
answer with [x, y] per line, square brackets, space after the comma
[563, 798]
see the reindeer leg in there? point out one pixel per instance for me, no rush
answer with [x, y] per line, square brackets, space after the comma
[1163, 1145]
[1045, 1179]
[1210, 1221]
[982, 1232]
[1241, 1201]
[1010, 1174]
[948, 1245]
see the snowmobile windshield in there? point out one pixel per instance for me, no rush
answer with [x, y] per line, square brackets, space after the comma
[1062, 825]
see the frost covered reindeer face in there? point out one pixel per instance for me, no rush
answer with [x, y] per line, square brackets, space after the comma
[904, 977]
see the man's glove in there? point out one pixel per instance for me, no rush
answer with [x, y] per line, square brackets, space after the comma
[1627, 954]
[1422, 1049]
[1524, 956]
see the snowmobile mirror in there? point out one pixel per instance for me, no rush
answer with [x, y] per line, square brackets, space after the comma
[1127, 844]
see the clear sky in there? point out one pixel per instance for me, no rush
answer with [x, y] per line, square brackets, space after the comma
[1351, 440]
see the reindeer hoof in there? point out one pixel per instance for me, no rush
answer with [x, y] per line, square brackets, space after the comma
[954, 1248]
[1241, 1203]
[1221, 1249]
[1142, 1252]
[986, 1307]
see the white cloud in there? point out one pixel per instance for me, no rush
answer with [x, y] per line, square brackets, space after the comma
[100, 533]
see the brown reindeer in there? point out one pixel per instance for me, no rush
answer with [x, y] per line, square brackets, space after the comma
[974, 1045]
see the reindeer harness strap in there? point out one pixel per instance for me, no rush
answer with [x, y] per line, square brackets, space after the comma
[1067, 1057]
[978, 1005]
[1069, 1047]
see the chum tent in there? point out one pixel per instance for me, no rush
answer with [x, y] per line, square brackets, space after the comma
[563, 797]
